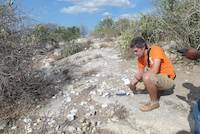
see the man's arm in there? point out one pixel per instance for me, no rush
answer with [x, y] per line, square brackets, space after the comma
[156, 66]
[138, 76]
[136, 79]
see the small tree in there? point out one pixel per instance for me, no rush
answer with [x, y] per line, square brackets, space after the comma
[106, 28]
[44, 33]
[122, 25]
[181, 20]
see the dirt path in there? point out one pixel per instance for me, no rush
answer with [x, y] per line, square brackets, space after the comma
[89, 100]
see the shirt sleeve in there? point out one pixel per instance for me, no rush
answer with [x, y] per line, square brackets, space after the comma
[141, 64]
[157, 53]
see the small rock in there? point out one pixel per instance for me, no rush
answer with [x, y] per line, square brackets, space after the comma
[51, 122]
[115, 119]
[83, 103]
[71, 117]
[97, 75]
[92, 93]
[68, 99]
[107, 94]
[27, 120]
[77, 93]
[13, 127]
[57, 128]
[92, 113]
[104, 105]
[83, 120]
[78, 130]
[92, 108]
[72, 92]
[112, 89]
[29, 130]
[98, 123]
[74, 111]
[87, 115]
[187, 72]
[38, 106]
[126, 81]
[38, 120]
[71, 129]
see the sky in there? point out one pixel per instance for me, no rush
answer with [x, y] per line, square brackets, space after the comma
[87, 13]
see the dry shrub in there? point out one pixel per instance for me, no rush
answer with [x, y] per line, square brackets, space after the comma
[89, 72]
[72, 48]
[88, 43]
[98, 56]
[106, 45]
[21, 87]
[120, 112]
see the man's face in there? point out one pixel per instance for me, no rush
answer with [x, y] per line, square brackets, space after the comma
[139, 52]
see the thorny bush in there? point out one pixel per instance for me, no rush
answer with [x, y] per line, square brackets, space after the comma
[21, 87]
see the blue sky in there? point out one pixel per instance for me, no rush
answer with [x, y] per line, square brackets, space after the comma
[81, 12]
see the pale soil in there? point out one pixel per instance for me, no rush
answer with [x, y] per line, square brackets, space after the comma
[91, 80]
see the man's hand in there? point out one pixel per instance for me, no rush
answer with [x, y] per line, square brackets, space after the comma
[136, 79]
[132, 87]
[133, 84]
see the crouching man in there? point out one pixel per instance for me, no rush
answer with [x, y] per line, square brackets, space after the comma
[154, 69]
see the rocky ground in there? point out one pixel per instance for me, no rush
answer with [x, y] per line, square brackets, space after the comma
[93, 98]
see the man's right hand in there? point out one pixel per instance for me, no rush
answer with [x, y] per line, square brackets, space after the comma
[132, 86]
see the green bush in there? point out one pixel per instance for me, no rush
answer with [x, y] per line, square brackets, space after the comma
[146, 26]
[175, 20]
[43, 33]
[180, 20]
[106, 28]
[72, 48]
[122, 25]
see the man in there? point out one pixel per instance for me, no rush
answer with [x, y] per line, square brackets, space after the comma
[158, 75]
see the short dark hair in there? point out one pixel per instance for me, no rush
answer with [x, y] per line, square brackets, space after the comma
[138, 42]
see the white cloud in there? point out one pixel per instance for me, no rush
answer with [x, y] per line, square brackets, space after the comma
[106, 14]
[77, 9]
[93, 5]
[128, 16]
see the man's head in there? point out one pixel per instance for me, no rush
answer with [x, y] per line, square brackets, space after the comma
[138, 45]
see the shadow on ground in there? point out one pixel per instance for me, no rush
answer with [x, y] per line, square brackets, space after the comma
[193, 95]
[160, 92]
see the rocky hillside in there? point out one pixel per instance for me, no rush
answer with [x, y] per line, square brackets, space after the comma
[93, 98]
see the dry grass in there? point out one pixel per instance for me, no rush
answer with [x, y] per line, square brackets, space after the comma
[72, 48]
[98, 56]
[106, 45]
[105, 131]
[90, 72]
[120, 112]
